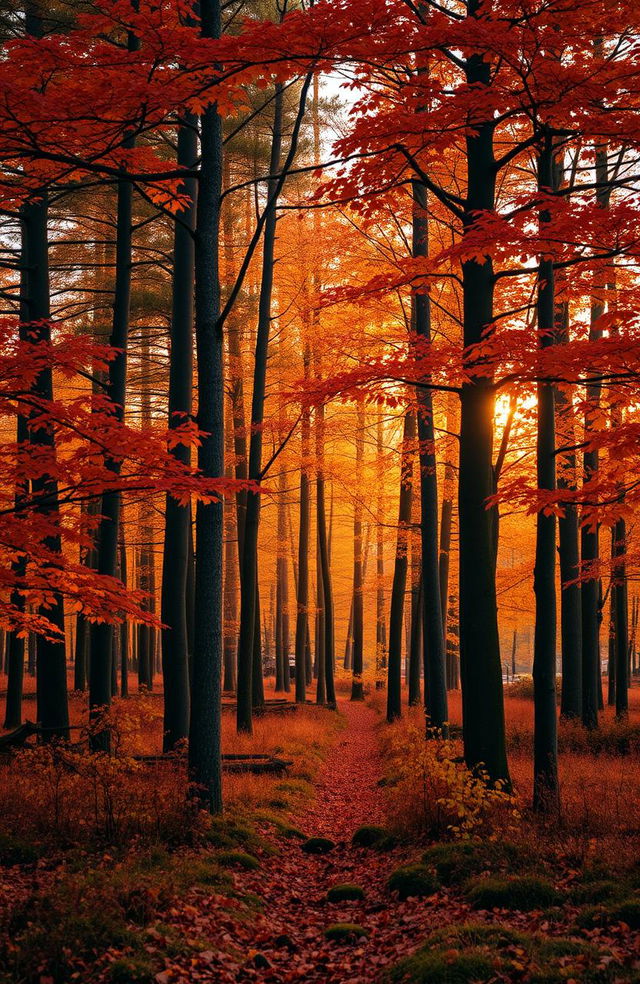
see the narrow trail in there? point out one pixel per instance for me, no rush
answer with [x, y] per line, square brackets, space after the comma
[287, 941]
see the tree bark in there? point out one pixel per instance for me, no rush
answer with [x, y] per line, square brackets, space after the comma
[175, 558]
[398, 588]
[546, 790]
[357, 685]
[480, 666]
[204, 730]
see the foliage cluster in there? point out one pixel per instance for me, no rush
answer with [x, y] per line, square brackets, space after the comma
[432, 793]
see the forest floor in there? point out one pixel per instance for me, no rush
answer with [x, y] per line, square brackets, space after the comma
[166, 901]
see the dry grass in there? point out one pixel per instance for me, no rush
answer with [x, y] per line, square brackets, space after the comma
[600, 785]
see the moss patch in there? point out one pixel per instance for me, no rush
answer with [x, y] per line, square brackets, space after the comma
[318, 845]
[413, 881]
[345, 933]
[522, 893]
[375, 837]
[475, 952]
[347, 892]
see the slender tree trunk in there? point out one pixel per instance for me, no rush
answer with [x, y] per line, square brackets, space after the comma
[398, 588]
[433, 636]
[546, 791]
[107, 537]
[51, 676]
[204, 729]
[480, 666]
[249, 565]
[325, 571]
[175, 559]
[589, 537]
[302, 613]
[381, 628]
[321, 681]
[357, 685]
[569, 549]
[14, 643]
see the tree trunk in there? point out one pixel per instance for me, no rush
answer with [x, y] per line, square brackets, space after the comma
[480, 666]
[204, 729]
[107, 536]
[546, 791]
[381, 628]
[433, 636]
[51, 673]
[249, 564]
[398, 588]
[357, 685]
[177, 528]
[302, 612]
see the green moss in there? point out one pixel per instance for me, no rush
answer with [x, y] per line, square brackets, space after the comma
[437, 968]
[347, 892]
[456, 862]
[626, 911]
[522, 893]
[237, 859]
[371, 836]
[598, 891]
[132, 970]
[413, 881]
[478, 952]
[318, 845]
[345, 933]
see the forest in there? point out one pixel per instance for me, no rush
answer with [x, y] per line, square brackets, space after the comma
[319, 474]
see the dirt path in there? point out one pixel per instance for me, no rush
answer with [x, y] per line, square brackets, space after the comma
[287, 943]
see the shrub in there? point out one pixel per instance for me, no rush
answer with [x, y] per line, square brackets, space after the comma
[432, 793]
[523, 893]
[318, 845]
[345, 933]
[413, 881]
[345, 893]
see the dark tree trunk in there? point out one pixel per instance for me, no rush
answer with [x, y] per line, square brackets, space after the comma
[206, 692]
[381, 628]
[101, 644]
[357, 685]
[15, 644]
[398, 588]
[175, 558]
[51, 683]
[319, 670]
[249, 563]
[591, 683]
[302, 613]
[546, 791]
[480, 666]
[325, 571]
[433, 635]
[569, 550]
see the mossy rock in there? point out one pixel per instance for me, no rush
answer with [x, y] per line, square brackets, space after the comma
[627, 911]
[523, 893]
[347, 892]
[456, 862]
[237, 859]
[318, 845]
[413, 881]
[345, 933]
[292, 833]
[371, 836]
